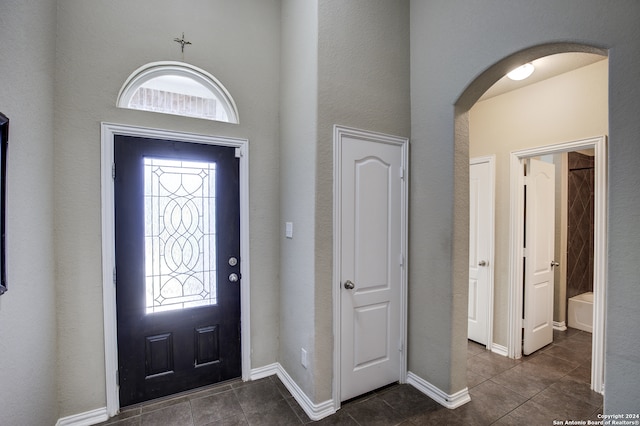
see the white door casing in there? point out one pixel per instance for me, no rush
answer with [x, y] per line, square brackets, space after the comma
[108, 132]
[516, 234]
[539, 255]
[481, 240]
[370, 284]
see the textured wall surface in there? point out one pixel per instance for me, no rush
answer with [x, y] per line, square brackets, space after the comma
[452, 45]
[354, 72]
[298, 124]
[363, 82]
[27, 310]
[99, 45]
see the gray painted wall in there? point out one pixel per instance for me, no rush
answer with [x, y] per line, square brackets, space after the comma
[99, 44]
[27, 310]
[363, 82]
[453, 43]
[343, 63]
[298, 124]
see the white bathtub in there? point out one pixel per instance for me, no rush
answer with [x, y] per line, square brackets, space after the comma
[581, 312]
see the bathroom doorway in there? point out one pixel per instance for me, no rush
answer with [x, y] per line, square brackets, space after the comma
[518, 252]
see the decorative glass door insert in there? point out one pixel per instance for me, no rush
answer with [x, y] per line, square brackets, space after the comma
[180, 236]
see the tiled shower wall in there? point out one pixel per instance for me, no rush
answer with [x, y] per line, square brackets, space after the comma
[580, 200]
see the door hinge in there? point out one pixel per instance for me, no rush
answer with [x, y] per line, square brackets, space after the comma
[402, 173]
[523, 325]
[113, 170]
[238, 152]
[117, 378]
[400, 345]
[114, 275]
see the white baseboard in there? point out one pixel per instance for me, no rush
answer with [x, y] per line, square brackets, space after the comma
[560, 326]
[499, 349]
[262, 372]
[314, 411]
[87, 418]
[449, 401]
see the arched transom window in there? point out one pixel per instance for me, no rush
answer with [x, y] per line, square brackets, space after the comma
[180, 89]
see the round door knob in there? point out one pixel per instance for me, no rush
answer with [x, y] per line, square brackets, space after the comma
[233, 278]
[349, 285]
[482, 263]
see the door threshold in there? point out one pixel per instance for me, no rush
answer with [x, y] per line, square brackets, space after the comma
[370, 394]
[164, 401]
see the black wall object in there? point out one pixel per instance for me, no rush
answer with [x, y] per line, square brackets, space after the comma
[4, 141]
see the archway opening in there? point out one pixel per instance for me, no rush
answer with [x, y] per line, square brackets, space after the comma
[474, 91]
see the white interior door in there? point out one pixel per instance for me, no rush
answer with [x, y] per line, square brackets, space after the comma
[539, 255]
[480, 242]
[372, 191]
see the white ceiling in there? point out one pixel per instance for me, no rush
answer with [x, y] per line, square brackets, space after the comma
[545, 67]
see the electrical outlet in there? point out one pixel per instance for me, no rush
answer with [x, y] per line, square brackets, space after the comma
[303, 358]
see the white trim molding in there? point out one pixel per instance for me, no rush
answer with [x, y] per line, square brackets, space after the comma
[599, 145]
[197, 77]
[109, 131]
[265, 371]
[499, 349]
[87, 418]
[450, 401]
[339, 132]
[313, 410]
[559, 325]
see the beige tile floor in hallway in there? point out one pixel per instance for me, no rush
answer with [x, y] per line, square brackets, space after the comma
[552, 384]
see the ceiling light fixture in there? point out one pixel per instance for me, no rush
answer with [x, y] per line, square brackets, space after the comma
[521, 72]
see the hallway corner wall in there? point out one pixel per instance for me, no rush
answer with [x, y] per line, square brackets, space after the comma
[363, 82]
[28, 358]
[99, 44]
[451, 46]
[298, 128]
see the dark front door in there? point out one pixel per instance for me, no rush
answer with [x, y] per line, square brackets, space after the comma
[177, 224]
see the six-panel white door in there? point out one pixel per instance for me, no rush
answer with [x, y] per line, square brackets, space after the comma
[539, 255]
[371, 237]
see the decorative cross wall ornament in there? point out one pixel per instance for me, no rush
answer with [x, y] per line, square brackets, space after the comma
[183, 43]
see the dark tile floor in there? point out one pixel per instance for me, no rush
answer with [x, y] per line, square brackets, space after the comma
[552, 384]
